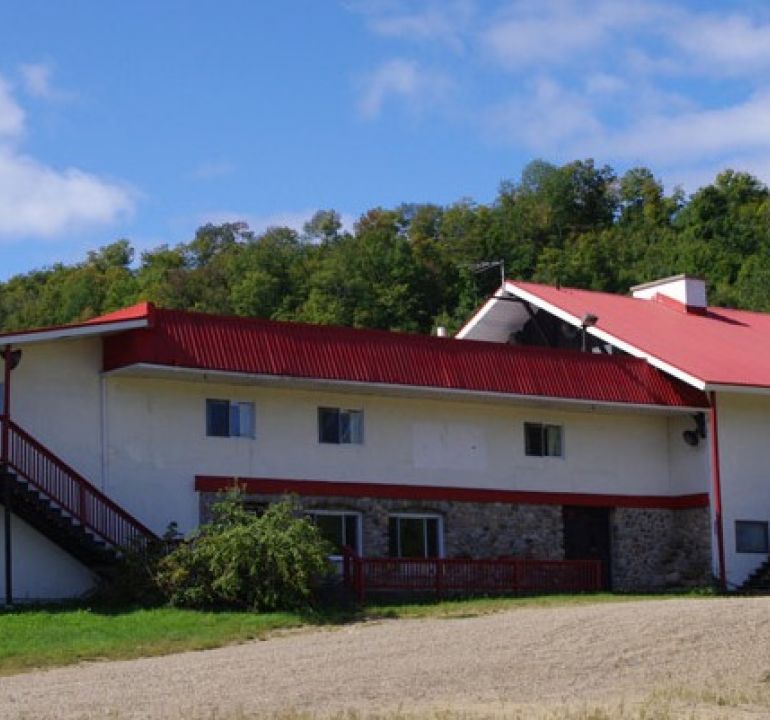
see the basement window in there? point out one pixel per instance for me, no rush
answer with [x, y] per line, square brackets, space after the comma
[751, 536]
[340, 427]
[542, 440]
[228, 418]
[415, 536]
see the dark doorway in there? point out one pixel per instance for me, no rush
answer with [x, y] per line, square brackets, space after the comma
[587, 537]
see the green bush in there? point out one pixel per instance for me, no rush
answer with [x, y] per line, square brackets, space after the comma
[247, 562]
[133, 580]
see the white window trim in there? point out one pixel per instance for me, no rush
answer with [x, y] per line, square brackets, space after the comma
[545, 424]
[359, 548]
[424, 516]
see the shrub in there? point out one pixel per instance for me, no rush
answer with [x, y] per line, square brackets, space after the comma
[133, 579]
[247, 562]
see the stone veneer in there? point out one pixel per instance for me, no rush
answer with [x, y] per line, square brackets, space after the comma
[651, 549]
[655, 548]
[470, 529]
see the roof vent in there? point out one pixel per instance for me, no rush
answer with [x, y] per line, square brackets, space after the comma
[681, 291]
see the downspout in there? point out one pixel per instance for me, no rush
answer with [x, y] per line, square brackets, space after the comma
[4, 457]
[5, 470]
[716, 486]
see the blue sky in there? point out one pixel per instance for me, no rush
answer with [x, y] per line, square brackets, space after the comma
[146, 119]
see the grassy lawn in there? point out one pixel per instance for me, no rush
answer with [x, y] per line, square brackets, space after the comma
[43, 638]
[35, 638]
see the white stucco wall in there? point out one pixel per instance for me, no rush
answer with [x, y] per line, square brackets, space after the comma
[744, 433]
[55, 396]
[157, 444]
[41, 570]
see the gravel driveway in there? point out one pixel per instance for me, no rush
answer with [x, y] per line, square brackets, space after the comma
[710, 656]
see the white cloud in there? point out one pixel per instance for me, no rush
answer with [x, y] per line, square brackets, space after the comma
[548, 119]
[11, 115]
[603, 83]
[722, 45]
[37, 80]
[698, 134]
[552, 32]
[404, 79]
[443, 22]
[37, 200]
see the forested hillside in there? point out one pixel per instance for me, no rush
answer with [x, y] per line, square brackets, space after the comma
[411, 267]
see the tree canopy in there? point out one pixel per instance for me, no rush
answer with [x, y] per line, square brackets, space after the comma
[412, 267]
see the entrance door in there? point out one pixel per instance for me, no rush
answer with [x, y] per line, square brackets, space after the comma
[587, 537]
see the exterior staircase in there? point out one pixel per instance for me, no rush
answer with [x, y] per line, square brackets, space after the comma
[759, 581]
[58, 502]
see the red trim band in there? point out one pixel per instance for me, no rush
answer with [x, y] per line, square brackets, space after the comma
[330, 488]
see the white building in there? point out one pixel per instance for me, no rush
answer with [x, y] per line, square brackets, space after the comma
[399, 444]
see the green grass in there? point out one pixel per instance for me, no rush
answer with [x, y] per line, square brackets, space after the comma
[36, 637]
[44, 638]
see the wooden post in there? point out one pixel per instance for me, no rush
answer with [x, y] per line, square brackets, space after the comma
[359, 573]
[439, 578]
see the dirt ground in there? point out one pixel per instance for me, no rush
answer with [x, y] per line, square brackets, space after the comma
[688, 658]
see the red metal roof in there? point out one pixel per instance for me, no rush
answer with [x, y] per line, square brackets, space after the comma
[718, 346]
[135, 312]
[264, 347]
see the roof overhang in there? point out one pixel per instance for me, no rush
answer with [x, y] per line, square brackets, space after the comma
[497, 303]
[65, 332]
[152, 371]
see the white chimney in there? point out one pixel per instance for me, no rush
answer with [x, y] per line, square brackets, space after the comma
[687, 293]
[441, 331]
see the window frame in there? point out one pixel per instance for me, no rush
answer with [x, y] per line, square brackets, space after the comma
[359, 543]
[232, 406]
[544, 427]
[340, 413]
[741, 547]
[418, 516]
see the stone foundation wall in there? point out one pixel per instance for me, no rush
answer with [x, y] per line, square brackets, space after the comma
[654, 549]
[470, 529]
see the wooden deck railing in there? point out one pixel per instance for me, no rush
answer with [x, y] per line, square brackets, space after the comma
[464, 576]
[69, 490]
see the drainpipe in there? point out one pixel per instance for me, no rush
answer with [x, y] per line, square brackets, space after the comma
[6, 404]
[716, 486]
[4, 469]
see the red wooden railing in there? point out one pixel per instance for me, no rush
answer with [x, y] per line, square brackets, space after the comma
[463, 576]
[69, 490]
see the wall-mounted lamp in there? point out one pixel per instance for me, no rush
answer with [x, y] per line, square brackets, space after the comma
[693, 437]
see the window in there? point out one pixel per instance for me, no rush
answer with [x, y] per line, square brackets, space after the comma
[751, 536]
[341, 427]
[542, 440]
[225, 418]
[338, 529]
[414, 536]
